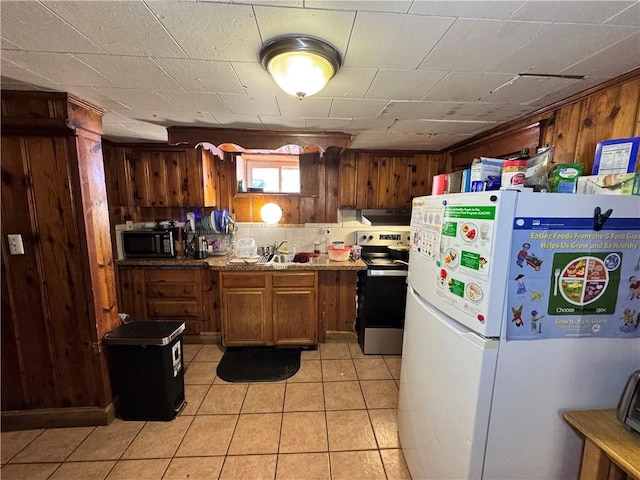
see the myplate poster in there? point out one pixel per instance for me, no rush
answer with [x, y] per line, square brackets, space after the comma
[567, 280]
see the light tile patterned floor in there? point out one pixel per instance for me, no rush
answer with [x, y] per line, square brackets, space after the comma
[334, 419]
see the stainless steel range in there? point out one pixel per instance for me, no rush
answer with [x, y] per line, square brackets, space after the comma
[382, 290]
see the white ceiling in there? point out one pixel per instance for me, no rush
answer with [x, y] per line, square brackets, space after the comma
[416, 75]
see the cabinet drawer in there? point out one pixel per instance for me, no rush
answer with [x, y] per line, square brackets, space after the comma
[171, 276]
[302, 279]
[171, 290]
[244, 280]
[163, 308]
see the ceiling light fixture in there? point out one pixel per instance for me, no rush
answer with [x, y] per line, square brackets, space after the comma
[300, 65]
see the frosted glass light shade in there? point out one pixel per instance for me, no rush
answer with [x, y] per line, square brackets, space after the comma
[271, 213]
[300, 65]
[300, 73]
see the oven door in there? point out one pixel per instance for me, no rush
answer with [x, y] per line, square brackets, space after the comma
[382, 297]
[381, 306]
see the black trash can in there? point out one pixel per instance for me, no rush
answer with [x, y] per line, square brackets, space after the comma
[147, 369]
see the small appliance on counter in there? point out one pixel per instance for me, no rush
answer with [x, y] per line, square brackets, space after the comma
[629, 407]
[148, 243]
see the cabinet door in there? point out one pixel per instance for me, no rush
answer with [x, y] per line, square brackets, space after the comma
[160, 178]
[294, 308]
[294, 317]
[245, 317]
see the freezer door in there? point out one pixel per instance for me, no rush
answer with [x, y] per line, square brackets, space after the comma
[445, 394]
[459, 255]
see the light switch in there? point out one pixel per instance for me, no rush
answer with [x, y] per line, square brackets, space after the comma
[15, 244]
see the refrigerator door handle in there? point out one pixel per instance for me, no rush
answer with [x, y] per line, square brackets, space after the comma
[469, 335]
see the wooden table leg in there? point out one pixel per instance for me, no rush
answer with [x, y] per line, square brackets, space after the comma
[595, 463]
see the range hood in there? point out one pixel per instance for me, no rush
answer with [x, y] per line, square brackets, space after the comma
[380, 218]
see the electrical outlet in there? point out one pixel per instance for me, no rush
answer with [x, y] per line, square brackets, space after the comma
[15, 244]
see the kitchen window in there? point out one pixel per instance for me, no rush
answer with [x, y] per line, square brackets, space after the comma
[274, 173]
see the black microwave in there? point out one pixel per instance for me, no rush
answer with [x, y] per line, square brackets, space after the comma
[147, 243]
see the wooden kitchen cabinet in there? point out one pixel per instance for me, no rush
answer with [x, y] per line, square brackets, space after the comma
[156, 294]
[270, 308]
[294, 308]
[159, 176]
[245, 308]
[386, 180]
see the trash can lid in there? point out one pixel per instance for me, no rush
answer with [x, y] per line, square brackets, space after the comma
[144, 333]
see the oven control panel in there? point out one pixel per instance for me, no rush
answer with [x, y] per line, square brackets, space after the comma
[382, 238]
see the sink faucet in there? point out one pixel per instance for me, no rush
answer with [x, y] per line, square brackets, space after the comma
[277, 246]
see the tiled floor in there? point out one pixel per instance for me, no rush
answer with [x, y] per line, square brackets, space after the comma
[334, 419]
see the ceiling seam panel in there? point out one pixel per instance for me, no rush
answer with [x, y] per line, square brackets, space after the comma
[165, 29]
[72, 28]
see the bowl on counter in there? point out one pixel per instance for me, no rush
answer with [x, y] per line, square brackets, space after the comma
[339, 254]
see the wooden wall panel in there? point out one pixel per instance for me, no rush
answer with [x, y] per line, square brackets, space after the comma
[399, 188]
[13, 387]
[308, 209]
[226, 181]
[60, 296]
[309, 174]
[337, 300]
[180, 178]
[210, 309]
[363, 185]
[63, 263]
[159, 178]
[209, 186]
[23, 273]
[608, 115]
[330, 187]
[421, 180]
[495, 144]
[97, 238]
[347, 192]
[572, 126]
[133, 292]
[562, 133]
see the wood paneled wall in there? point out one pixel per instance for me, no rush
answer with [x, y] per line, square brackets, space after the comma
[575, 129]
[371, 179]
[336, 301]
[572, 126]
[59, 298]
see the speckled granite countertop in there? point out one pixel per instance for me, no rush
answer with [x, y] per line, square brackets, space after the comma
[322, 262]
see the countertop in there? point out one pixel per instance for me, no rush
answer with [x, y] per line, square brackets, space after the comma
[321, 262]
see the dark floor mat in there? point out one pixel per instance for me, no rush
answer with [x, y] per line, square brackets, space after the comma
[250, 364]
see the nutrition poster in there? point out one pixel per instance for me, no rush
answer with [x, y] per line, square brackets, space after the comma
[426, 225]
[465, 255]
[567, 280]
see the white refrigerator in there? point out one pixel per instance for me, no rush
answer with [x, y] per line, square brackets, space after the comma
[519, 306]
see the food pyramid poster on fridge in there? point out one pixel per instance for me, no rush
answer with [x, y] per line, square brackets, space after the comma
[568, 280]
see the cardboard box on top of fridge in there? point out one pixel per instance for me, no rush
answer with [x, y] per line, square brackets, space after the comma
[617, 156]
[485, 173]
[612, 184]
[454, 182]
[483, 167]
[439, 185]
